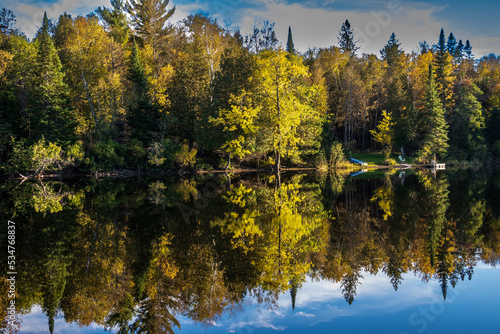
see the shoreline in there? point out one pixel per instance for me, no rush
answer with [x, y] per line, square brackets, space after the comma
[126, 173]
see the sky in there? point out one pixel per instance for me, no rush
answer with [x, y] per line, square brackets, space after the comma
[316, 23]
[417, 307]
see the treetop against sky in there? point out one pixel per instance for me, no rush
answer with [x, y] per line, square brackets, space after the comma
[316, 23]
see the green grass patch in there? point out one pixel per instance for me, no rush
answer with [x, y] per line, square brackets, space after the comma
[373, 174]
[378, 159]
[370, 158]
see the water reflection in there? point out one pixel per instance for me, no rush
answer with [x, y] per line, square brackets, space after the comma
[137, 255]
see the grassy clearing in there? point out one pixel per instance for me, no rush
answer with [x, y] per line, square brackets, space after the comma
[378, 159]
[370, 158]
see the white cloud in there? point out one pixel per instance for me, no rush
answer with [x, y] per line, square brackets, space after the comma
[302, 314]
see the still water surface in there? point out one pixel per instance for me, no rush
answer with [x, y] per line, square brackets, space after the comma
[325, 253]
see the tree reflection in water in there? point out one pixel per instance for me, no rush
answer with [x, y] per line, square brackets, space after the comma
[121, 253]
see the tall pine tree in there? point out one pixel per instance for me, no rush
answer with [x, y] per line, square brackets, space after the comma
[435, 127]
[143, 116]
[444, 73]
[346, 39]
[467, 126]
[290, 48]
[52, 116]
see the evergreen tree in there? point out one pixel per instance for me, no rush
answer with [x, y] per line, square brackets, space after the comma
[468, 50]
[143, 116]
[149, 19]
[397, 91]
[436, 137]
[52, 116]
[346, 39]
[460, 49]
[116, 20]
[290, 48]
[424, 47]
[391, 50]
[444, 73]
[466, 136]
[451, 45]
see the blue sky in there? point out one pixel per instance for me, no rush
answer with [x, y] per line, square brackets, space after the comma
[316, 23]
[417, 307]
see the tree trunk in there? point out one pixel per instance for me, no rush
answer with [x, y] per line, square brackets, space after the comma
[90, 102]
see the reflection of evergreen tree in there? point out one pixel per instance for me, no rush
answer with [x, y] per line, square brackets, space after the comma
[435, 209]
[348, 285]
[445, 257]
[295, 284]
[155, 315]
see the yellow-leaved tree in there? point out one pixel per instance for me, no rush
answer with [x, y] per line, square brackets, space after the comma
[288, 97]
[238, 122]
[385, 133]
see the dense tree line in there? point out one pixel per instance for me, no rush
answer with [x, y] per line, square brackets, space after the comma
[123, 87]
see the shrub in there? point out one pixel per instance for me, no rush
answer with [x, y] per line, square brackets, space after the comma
[75, 153]
[496, 148]
[136, 151]
[156, 154]
[105, 155]
[20, 157]
[185, 157]
[46, 155]
[336, 154]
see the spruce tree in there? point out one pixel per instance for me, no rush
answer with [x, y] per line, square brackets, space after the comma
[52, 116]
[467, 127]
[346, 39]
[460, 49]
[143, 116]
[451, 45]
[468, 50]
[443, 73]
[435, 127]
[290, 48]
[391, 50]
[396, 86]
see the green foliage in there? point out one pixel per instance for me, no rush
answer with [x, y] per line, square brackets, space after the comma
[290, 47]
[185, 157]
[288, 100]
[436, 138]
[136, 151]
[45, 155]
[336, 154]
[385, 133]
[116, 20]
[346, 39]
[467, 127]
[76, 152]
[19, 159]
[156, 154]
[496, 148]
[106, 155]
[51, 114]
[238, 123]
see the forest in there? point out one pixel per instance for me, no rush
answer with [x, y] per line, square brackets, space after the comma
[124, 88]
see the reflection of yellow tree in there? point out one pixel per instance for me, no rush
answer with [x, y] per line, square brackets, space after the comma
[96, 267]
[46, 199]
[289, 239]
[385, 199]
[241, 226]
